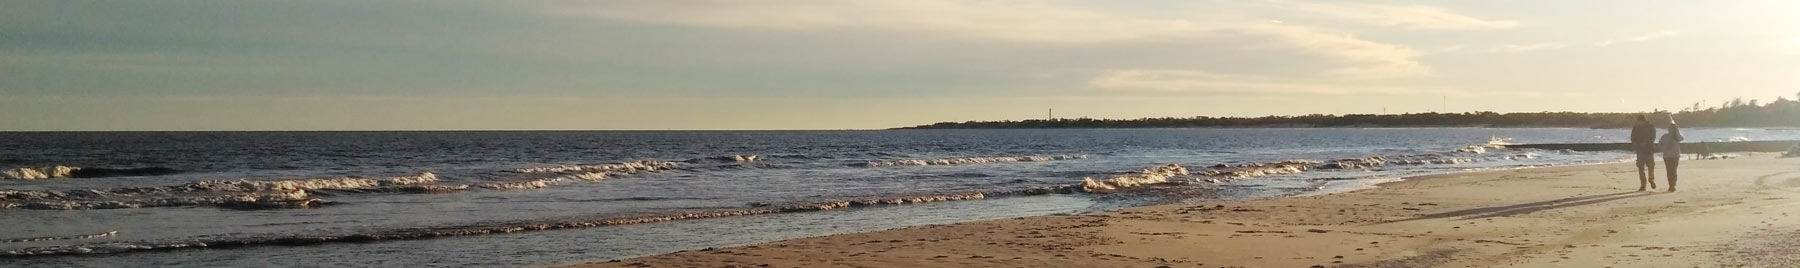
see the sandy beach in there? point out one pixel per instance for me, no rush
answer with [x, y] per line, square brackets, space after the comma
[1728, 213]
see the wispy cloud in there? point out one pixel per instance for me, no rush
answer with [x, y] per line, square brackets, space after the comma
[1022, 21]
[1210, 83]
[1640, 38]
[1518, 48]
[1194, 81]
[1515, 48]
[1406, 16]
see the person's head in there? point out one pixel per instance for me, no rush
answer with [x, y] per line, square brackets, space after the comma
[1641, 118]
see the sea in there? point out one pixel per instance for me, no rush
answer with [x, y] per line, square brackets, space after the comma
[547, 198]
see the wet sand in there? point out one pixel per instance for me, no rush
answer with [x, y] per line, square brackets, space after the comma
[1728, 213]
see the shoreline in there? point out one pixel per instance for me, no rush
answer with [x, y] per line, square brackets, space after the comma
[1463, 219]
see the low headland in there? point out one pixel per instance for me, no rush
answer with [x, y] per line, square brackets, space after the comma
[1781, 113]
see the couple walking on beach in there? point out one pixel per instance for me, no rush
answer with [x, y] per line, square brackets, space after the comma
[1645, 143]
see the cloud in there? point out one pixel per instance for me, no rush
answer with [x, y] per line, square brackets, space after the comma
[1513, 48]
[1194, 81]
[1405, 16]
[1167, 81]
[1519, 48]
[1021, 21]
[1361, 59]
[1640, 38]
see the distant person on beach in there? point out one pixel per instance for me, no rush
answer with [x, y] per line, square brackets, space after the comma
[1671, 149]
[1704, 153]
[1643, 141]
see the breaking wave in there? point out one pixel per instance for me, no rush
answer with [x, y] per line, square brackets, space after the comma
[239, 194]
[297, 193]
[742, 158]
[970, 160]
[49, 238]
[569, 173]
[1156, 175]
[627, 167]
[63, 172]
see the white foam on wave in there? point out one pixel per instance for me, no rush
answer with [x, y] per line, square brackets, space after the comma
[1150, 176]
[37, 173]
[263, 200]
[627, 167]
[250, 194]
[971, 160]
[312, 184]
[49, 238]
[740, 158]
[594, 172]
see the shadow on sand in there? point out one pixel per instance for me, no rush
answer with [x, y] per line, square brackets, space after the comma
[1504, 211]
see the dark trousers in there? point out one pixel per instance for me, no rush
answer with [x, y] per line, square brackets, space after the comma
[1672, 162]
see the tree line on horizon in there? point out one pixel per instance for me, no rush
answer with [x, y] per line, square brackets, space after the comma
[1782, 112]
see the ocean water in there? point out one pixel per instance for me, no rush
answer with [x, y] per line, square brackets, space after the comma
[125, 219]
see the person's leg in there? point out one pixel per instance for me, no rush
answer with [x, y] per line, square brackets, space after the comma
[1672, 162]
[1642, 180]
[1649, 168]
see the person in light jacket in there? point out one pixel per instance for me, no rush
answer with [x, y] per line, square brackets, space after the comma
[1671, 150]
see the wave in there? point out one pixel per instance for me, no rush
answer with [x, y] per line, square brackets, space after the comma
[517, 185]
[567, 173]
[797, 156]
[626, 167]
[62, 172]
[295, 193]
[235, 194]
[742, 158]
[1157, 175]
[49, 238]
[29, 173]
[288, 199]
[1224, 173]
[311, 184]
[970, 160]
[408, 189]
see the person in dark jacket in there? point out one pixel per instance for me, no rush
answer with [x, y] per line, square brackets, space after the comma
[1643, 142]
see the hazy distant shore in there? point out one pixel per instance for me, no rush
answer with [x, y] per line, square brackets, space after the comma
[1726, 214]
[1782, 113]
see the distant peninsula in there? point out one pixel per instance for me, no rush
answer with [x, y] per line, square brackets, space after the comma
[1736, 113]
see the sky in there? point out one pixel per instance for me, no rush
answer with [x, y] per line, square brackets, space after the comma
[861, 64]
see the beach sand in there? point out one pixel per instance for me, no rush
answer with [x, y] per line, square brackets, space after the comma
[1728, 213]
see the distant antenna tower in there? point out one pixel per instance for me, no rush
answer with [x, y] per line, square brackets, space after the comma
[1446, 105]
[1052, 115]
